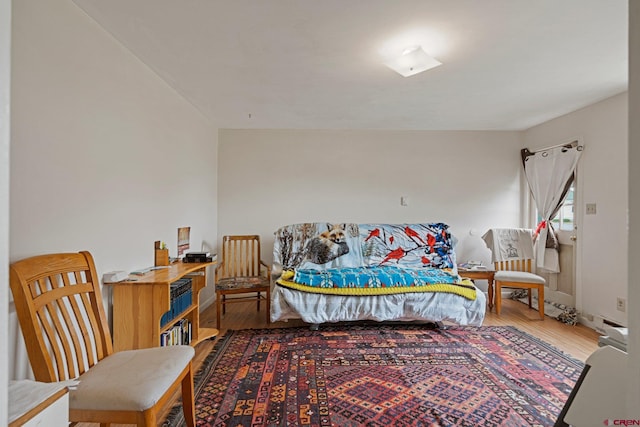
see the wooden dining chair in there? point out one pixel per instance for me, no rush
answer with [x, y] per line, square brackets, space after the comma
[241, 271]
[62, 317]
[516, 273]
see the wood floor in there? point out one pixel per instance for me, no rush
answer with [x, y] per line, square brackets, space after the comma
[578, 341]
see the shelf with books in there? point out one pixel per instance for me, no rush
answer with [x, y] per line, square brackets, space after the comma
[139, 305]
[182, 315]
[181, 297]
[178, 333]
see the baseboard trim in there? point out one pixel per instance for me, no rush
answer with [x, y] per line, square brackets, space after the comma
[206, 303]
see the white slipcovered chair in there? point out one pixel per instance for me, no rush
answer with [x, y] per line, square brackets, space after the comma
[512, 256]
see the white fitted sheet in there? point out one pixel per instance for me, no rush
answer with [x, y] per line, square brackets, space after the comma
[425, 306]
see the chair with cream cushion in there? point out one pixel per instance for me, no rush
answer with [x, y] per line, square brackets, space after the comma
[62, 317]
[512, 255]
[517, 274]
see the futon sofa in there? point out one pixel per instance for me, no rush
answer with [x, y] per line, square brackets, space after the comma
[326, 272]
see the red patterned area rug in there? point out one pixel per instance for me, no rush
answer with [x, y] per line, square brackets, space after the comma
[382, 375]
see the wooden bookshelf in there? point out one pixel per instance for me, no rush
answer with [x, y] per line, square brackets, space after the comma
[139, 303]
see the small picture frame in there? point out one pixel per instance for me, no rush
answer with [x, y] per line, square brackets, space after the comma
[183, 240]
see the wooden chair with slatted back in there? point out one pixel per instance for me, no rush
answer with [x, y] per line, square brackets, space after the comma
[241, 271]
[516, 273]
[60, 309]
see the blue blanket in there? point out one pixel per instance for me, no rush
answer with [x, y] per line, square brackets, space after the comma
[376, 280]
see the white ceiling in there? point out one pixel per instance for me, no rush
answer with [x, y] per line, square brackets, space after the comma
[318, 64]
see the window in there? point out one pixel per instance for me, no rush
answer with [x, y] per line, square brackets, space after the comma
[564, 218]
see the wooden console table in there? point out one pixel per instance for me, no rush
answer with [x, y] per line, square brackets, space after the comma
[480, 274]
[140, 302]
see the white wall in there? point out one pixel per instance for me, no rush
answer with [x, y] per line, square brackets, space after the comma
[270, 178]
[602, 179]
[633, 394]
[105, 156]
[5, 65]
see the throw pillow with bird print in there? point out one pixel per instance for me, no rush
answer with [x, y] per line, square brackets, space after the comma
[408, 245]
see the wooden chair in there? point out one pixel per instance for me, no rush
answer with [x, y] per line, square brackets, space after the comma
[517, 274]
[241, 271]
[61, 313]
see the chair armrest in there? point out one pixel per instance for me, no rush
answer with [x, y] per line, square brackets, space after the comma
[217, 272]
[266, 268]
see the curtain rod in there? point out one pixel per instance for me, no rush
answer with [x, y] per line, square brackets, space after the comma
[571, 144]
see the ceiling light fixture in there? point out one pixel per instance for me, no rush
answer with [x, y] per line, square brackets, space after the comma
[413, 60]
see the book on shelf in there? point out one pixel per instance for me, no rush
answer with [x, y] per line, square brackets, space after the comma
[179, 334]
[197, 254]
[181, 298]
[199, 257]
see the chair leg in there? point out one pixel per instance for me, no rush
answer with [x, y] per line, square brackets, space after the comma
[258, 295]
[149, 418]
[218, 308]
[498, 296]
[529, 294]
[188, 402]
[541, 301]
[268, 307]
[224, 303]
